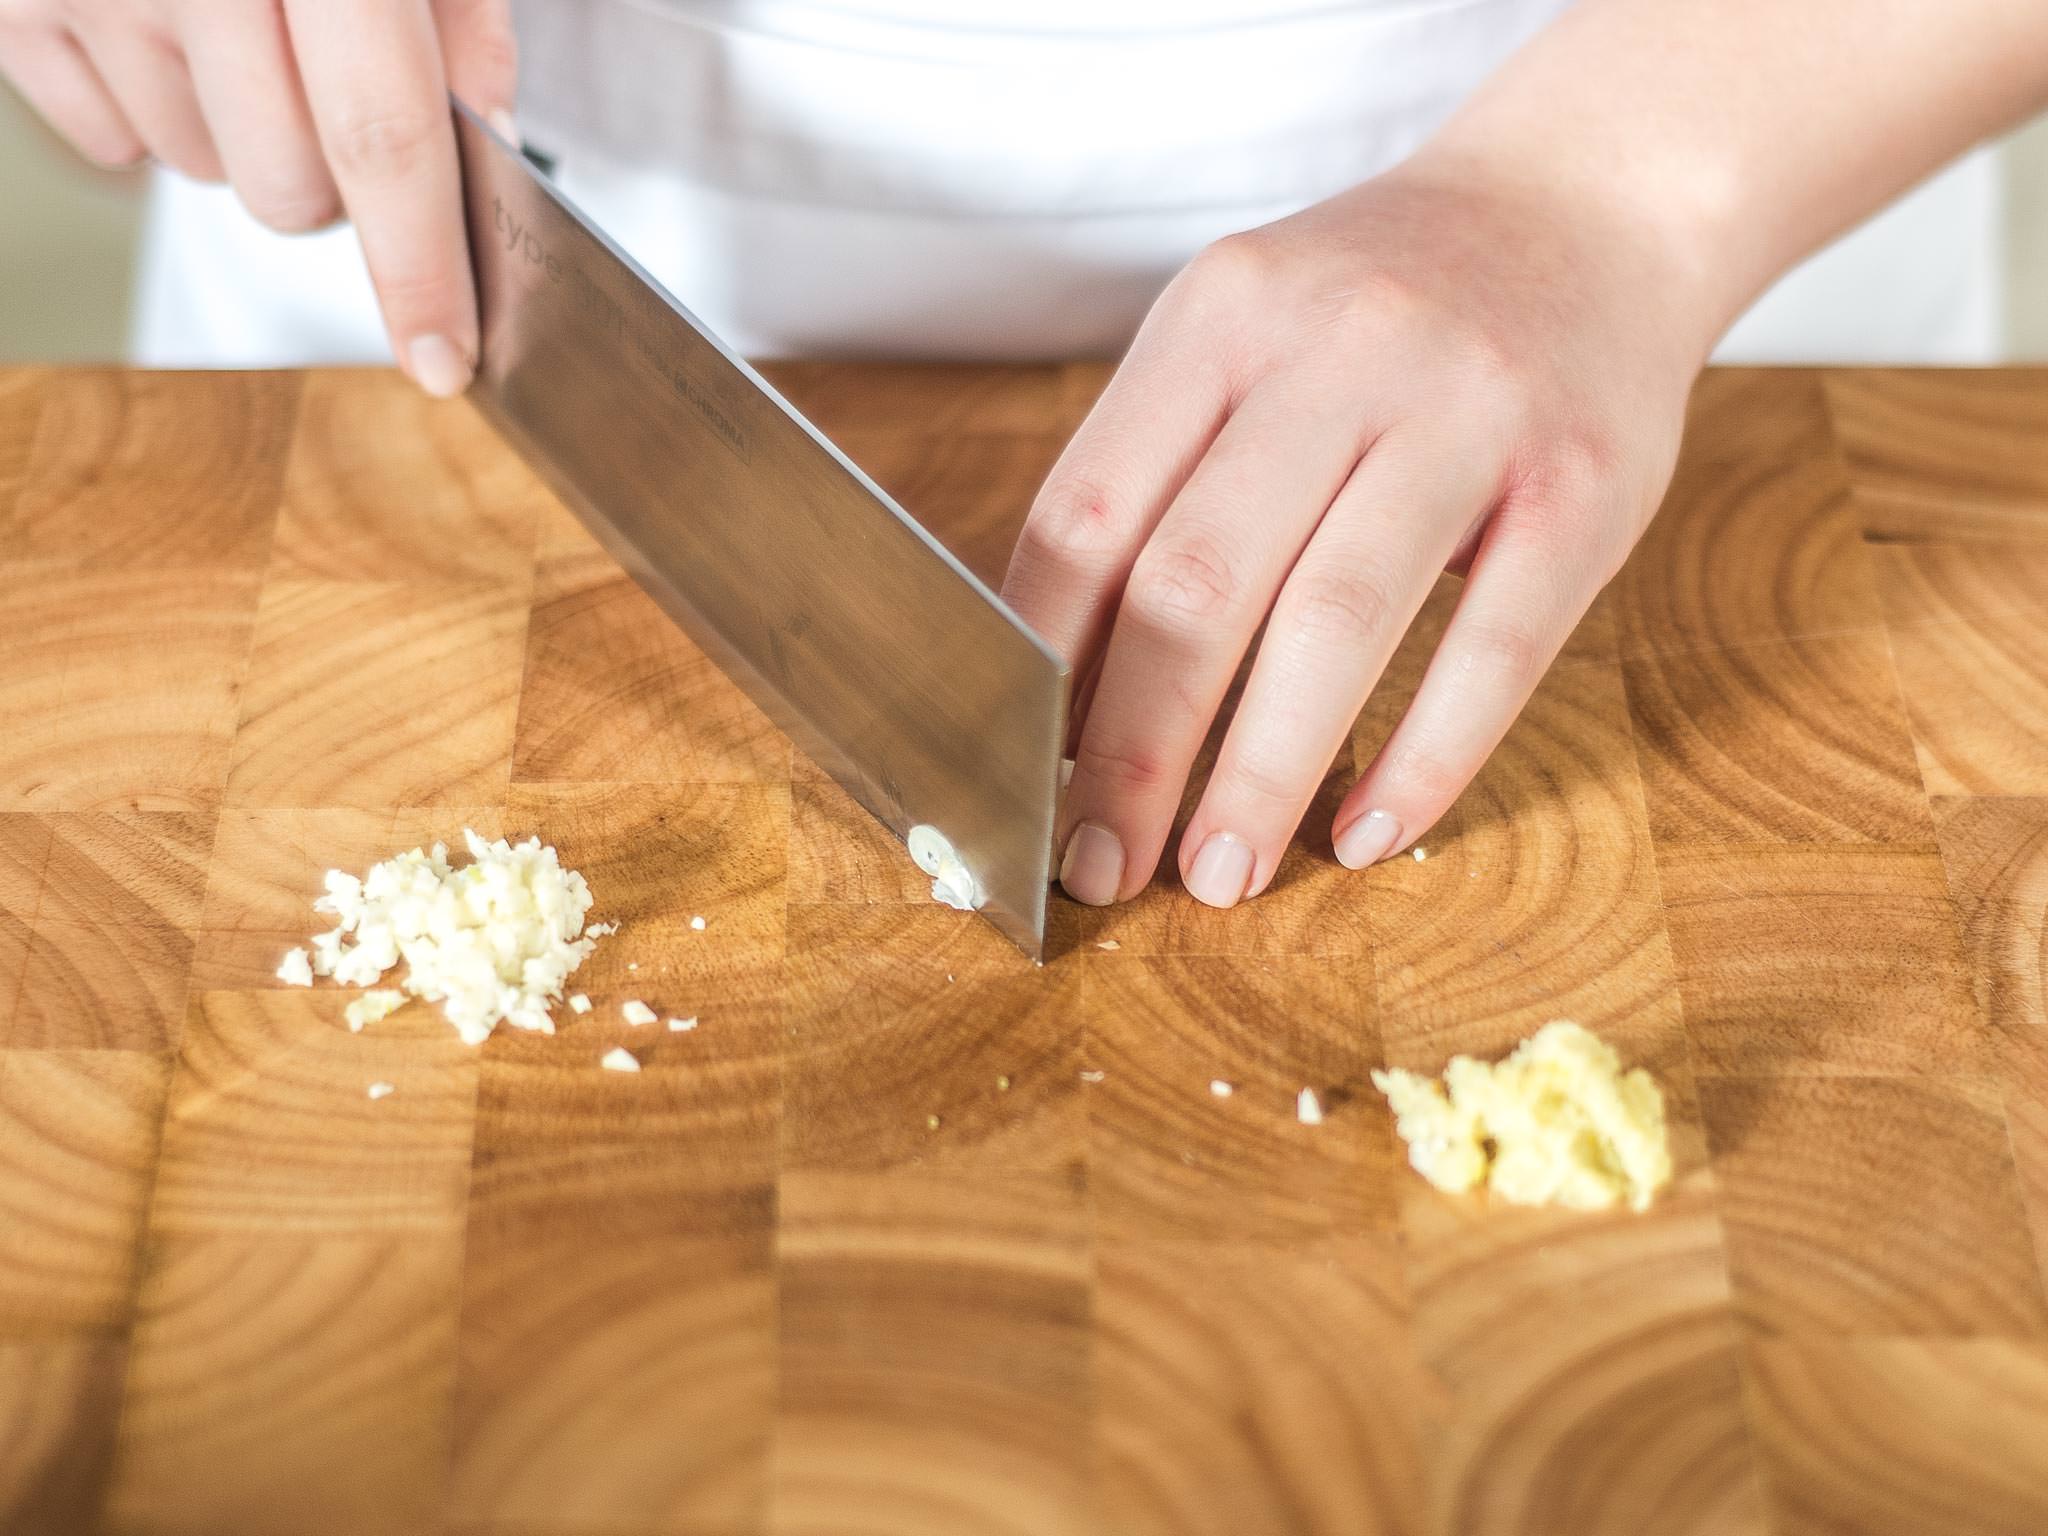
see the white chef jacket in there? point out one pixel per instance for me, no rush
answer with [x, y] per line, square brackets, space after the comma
[990, 178]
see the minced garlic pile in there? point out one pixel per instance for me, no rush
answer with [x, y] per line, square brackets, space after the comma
[492, 942]
[1557, 1122]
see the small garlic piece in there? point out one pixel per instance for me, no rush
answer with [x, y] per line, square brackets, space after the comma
[953, 883]
[619, 1059]
[296, 969]
[637, 1012]
[371, 1007]
[579, 1003]
[1308, 1109]
[379, 1090]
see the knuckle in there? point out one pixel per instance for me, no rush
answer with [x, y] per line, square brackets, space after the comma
[294, 210]
[1229, 272]
[418, 294]
[1421, 773]
[1074, 525]
[1505, 651]
[196, 161]
[1577, 470]
[1376, 301]
[1570, 490]
[112, 149]
[1267, 786]
[1182, 585]
[1340, 610]
[1124, 768]
[381, 145]
[489, 48]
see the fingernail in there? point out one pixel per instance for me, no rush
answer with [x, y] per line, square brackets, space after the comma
[1367, 840]
[1094, 865]
[437, 367]
[507, 129]
[1222, 871]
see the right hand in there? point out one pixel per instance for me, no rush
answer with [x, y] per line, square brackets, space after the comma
[312, 108]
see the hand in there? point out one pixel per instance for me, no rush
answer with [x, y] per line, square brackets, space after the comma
[1434, 370]
[310, 107]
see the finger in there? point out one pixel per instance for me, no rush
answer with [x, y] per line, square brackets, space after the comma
[1195, 597]
[481, 55]
[1519, 606]
[380, 107]
[150, 79]
[56, 78]
[1343, 610]
[248, 86]
[1113, 482]
[1082, 700]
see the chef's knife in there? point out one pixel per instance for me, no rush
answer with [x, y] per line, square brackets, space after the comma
[853, 628]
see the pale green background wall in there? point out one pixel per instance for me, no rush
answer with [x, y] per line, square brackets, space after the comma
[67, 239]
[67, 236]
[2026, 184]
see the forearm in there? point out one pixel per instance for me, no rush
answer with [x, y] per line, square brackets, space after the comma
[1735, 136]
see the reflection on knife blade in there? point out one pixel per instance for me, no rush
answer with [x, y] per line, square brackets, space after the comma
[857, 632]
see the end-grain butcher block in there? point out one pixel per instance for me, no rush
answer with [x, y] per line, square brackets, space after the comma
[885, 1231]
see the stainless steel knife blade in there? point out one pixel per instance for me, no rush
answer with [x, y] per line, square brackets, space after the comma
[854, 629]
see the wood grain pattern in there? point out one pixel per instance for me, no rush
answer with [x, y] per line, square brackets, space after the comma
[934, 1355]
[60, 1396]
[379, 694]
[269, 1127]
[621, 1233]
[144, 471]
[1797, 741]
[908, 1237]
[288, 1382]
[78, 1131]
[132, 678]
[1249, 1388]
[613, 691]
[1829, 959]
[1945, 453]
[1170, 1161]
[1758, 539]
[1970, 638]
[1847, 1201]
[1996, 852]
[21, 404]
[1911, 1437]
[382, 486]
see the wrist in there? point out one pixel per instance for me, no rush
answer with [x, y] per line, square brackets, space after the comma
[1661, 245]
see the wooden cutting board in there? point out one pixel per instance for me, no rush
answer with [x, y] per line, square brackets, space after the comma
[1776, 824]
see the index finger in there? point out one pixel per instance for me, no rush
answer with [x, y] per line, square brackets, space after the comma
[1138, 445]
[375, 81]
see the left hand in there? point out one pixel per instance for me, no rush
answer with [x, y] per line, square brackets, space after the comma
[1442, 368]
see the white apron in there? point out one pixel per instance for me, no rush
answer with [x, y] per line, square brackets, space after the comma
[990, 178]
